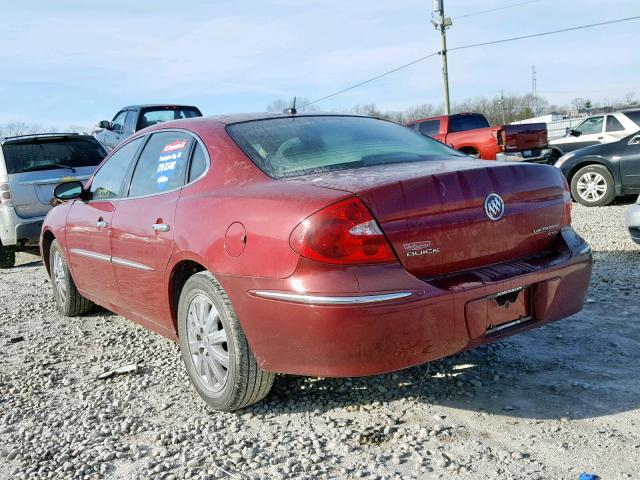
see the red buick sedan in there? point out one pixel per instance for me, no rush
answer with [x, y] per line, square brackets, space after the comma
[313, 245]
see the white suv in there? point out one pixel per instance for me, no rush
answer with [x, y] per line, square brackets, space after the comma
[30, 168]
[597, 129]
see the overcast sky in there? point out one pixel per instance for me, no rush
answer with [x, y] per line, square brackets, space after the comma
[78, 62]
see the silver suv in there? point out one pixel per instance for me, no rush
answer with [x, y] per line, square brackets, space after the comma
[30, 167]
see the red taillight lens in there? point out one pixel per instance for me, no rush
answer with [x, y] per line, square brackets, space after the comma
[566, 215]
[342, 233]
[5, 195]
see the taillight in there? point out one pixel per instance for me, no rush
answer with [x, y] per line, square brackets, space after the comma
[5, 195]
[342, 233]
[566, 214]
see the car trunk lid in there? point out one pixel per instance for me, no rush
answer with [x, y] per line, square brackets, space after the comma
[433, 213]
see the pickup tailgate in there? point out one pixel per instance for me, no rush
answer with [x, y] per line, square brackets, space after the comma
[527, 136]
[434, 212]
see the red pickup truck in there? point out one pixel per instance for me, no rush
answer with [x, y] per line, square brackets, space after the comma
[470, 133]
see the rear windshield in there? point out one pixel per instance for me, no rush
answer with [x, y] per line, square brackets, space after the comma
[462, 123]
[287, 147]
[51, 153]
[152, 115]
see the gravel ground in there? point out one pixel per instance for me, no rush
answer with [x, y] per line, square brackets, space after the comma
[550, 403]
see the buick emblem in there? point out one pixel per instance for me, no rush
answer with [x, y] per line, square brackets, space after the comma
[494, 206]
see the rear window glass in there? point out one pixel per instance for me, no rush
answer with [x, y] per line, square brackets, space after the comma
[634, 116]
[429, 127]
[462, 123]
[51, 153]
[151, 116]
[286, 147]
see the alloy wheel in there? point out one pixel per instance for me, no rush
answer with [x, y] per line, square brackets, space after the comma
[207, 341]
[591, 186]
[59, 277]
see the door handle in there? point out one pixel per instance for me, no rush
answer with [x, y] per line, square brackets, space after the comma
[161, 227]
[102, 224]
[600, 138]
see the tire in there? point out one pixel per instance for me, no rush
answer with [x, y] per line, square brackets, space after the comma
[69, 301]
[555, 156]
[242, 382]
[7, 257]
[593, 186]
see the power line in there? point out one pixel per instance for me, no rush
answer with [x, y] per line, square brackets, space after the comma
[472, 45]
[480, 12]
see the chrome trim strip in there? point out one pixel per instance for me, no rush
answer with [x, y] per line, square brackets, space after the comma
[128, 263]
[93, 255]
[330, 300]
[47, 181]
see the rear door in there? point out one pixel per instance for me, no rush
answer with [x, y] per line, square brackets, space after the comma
[142, 231]
[614, 130]
[35, 165]
[630, 163]
[88, 236]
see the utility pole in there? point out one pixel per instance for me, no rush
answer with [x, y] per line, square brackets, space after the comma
[442, 23]
[534, 90]
[504, 115]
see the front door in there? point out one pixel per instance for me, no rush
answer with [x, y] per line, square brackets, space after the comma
[142, 231]
[88, 235]
[630, 164]
[589, 132]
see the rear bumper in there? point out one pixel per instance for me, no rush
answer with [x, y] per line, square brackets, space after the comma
[18, 231]
[632, 221]
[429, 318]
[544, 157]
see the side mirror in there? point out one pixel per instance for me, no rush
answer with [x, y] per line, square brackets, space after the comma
[575, 133]
[68, 190]
[106, 124]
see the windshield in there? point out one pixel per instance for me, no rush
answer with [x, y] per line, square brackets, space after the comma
[51, 153]
[286, 147]
[152, 115]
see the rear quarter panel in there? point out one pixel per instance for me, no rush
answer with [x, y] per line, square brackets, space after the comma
[483, 140]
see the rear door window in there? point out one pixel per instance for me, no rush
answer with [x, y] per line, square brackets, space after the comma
[198, 163]
[430, 127]
[109, 180]
[162, 164]
[613, 125]
[51, 153]
[464, 122]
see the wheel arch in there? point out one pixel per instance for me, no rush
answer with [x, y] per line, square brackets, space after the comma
[593, 161]
[180, 273]
[47, 239]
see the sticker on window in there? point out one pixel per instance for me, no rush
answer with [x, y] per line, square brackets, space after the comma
[169, 162]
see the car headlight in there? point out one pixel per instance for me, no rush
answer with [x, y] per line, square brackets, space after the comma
[563, 159]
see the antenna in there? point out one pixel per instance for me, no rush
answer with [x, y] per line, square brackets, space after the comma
[292, 110]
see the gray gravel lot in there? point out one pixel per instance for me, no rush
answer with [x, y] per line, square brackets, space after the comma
[547, 404]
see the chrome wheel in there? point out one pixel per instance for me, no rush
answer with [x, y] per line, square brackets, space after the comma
[591, 186]
[207, 340]
[59, 277]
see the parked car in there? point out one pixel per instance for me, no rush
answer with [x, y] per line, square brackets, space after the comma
[597, 130]
[30, 167]
[471, 134]
[313, 245]
[632, 221]
[136, 117]
[600, 173]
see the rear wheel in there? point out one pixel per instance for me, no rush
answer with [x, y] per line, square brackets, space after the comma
[593, 186]
[7, 257]
[68, 300]
[215, 351]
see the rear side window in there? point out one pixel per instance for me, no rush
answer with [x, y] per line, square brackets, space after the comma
[162, 164]
[634, 116]
[108, 181]
[198, 163]
[152, 115]
[51, 153]
[430, 127]
[464, 122]
[286, 147]
[613, 125]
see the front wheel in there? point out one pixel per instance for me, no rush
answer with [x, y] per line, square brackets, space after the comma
[7, 256]
[69, 300]
[593, 186]
[215, 351]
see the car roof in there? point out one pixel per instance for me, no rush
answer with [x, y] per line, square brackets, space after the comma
[158, 105]
[21, 138]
